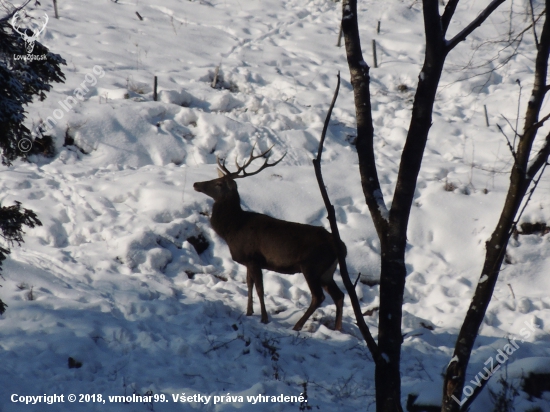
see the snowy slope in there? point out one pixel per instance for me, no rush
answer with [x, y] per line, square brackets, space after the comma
[110, 279]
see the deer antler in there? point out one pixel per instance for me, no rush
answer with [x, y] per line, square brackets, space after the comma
[238, 175]
[37, 33]
[14, 24]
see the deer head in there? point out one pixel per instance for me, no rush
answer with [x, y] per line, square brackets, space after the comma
[30, 35]
[225, 184]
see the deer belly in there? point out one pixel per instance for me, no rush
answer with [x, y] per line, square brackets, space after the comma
[286, 270]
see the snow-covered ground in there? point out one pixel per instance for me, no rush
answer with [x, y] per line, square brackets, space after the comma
[111, 281]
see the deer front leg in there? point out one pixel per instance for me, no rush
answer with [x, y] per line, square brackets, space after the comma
[254, 275]
[250, 285]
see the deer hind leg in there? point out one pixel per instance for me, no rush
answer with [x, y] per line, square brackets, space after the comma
[338, 298]
[317, 297]
[335, 293]
[254, 276]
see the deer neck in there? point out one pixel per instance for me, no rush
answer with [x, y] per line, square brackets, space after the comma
[227, 215]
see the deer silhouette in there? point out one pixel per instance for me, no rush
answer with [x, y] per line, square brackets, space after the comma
[259, 242]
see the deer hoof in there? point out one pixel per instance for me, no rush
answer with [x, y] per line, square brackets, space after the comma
[249, 312]
[265, 320]
[297, 327]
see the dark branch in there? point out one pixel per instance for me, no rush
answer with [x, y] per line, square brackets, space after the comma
[478, 21]
[363, 327]
[532, 12]
[531, 192]
[327, 120]
[508, 142]
[541, 121]
[448, 14]
[540, 159]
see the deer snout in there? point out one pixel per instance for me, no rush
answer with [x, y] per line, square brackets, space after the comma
[197, 186]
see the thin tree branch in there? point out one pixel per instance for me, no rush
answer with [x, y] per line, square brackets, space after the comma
[448, 14]
[542, 121]
[529, 197]
[327, 120]
[363, 327]
[508, 143]
[10, 15]
[516, 134]
[532, 12]
[541, 158]
[478, 21]
[514, 129]
[538, 94]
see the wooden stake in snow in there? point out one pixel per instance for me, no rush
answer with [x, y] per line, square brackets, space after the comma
[339, 44]
[374, 54]
[55, 9]
[215, 79]
[486, 115]
[155, 89]
[378, 28]
[139, 16]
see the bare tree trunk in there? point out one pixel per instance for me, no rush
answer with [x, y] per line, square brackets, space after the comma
[391, 226]
[520, 179]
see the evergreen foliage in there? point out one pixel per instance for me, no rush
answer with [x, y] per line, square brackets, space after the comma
[20, 80]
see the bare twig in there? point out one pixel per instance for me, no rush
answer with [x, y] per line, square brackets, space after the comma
[528, 198]
[517, 114]
[532, 12]
[512, 290]
[507, 141]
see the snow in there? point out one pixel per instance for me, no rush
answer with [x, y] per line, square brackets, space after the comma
[111, 281]
[454, 359]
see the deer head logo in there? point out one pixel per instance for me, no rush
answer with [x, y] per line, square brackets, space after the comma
[30, 35]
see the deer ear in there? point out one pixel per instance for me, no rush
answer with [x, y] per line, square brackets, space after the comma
[220, 173]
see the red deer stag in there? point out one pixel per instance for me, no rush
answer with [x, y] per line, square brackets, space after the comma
[262, 242]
